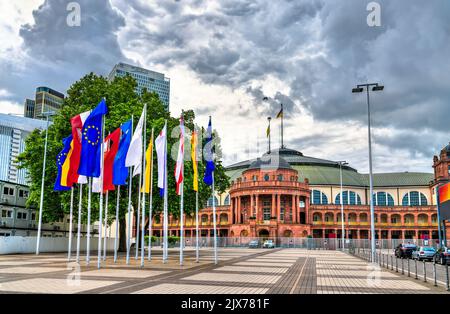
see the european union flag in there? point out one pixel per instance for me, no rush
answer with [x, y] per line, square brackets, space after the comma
[209, 171]
[120, 172]
[91, 139]
[59, 163]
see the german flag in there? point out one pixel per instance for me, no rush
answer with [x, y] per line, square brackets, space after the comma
[444, 202]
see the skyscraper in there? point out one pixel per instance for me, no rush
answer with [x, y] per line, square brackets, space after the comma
[47, 99]
[151, 80]
[28, 107]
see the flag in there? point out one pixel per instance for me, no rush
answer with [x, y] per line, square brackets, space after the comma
[110, 154]
[91, 141]
[179, 167]
[60, 161]
[194, 160]
[96, 185]
[72, 163]
[208, 178]
[280, 114]
[161, 152]
[268, 131]
[134, 154]
[444, 202]
[148, 165]
[120, 171]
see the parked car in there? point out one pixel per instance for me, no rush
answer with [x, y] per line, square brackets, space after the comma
[442, 256]
[268, 244]
[405, 250]
[423, 253]
[253, 244]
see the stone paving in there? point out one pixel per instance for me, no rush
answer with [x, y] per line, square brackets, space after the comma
[240, 271]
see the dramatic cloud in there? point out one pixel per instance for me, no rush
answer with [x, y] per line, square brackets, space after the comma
[223, 57]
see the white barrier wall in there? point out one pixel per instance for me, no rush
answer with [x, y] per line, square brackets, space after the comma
[22, 245]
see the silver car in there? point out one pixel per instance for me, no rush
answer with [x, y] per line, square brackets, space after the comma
[424, 253]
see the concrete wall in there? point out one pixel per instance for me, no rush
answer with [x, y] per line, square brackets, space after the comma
[22, 245]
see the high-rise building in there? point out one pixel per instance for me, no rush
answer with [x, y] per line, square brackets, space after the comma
[151, 80]
[47, 99]
[13, 132]
[28, 107]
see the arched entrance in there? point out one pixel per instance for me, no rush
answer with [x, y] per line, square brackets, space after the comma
[263, 233]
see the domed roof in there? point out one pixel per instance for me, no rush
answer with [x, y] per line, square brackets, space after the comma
[269, 162]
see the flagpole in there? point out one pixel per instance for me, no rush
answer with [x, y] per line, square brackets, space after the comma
[166, 210]
[80, 201]
[214, 221]
[129, 205]
[69, 251]
[117, 224]
[282, 117]
[196, 227]
[138, 216]
[106, 225]
[88, 244]
[181, 220]
[100, 220]
[143, 192]
[150, 217]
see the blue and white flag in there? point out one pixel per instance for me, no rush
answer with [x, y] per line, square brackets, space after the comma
[91, 138]
[209, 156]
[161, 152]
[120, 171]
[60, 159]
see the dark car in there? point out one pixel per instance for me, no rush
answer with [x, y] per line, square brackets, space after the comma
[442, 256]
[405, 250]
[253, 244]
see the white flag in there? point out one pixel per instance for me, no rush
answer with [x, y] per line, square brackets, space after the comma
[180, 159]
[96, 183]
[161, 152]
[134, 154]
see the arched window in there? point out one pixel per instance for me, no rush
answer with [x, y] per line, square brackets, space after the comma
[210, 201]
[227, 200]
[348, 198]
[383, 199]
[414, 198]
[319, 198]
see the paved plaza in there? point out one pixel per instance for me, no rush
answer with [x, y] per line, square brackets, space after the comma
[240, 271]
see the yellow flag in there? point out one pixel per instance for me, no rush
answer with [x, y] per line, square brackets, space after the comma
[268, 131]
[194, 159]
[148, 165]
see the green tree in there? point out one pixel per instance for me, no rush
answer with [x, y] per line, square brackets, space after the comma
[123, 103]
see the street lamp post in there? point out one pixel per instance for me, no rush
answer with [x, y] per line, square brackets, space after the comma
[360, 88]
[342, 163]
[47, 114]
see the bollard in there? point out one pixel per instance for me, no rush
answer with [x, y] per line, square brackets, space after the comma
[415, 265]
[446, 271]
[424, 272]
[409, 274]
[403, 269]
[434, 273]
[396, 264]
[392, 262]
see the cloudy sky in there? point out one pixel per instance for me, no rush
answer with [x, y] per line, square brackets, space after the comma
[224, 56]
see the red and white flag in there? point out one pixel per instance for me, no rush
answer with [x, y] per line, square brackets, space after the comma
[180, 159]
[77, 123]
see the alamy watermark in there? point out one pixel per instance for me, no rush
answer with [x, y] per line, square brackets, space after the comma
[374, 17]
[74, 17]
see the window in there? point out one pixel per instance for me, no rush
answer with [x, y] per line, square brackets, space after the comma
[383, 199]
[21, 215]
[280, 177]
[6, 213]
[210, 202]
[33, 216]
[227, 200]
[414, 198]
[23, 194]
[266, 177]
[348, 198]
[8, 191]
[255, 178]
[319, 198]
